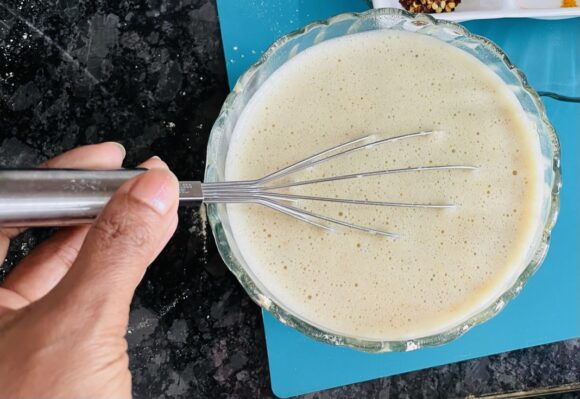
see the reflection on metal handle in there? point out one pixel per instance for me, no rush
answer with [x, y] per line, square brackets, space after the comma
[61, 197]
[56, 197]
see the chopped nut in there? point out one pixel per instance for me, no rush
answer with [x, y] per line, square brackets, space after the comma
[429, 6]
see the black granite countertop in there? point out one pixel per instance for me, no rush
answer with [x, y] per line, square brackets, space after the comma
[150, 74]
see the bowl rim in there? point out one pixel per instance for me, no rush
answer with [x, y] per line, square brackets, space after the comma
[364, 344]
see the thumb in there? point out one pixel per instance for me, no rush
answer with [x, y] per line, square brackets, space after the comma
[127, 236]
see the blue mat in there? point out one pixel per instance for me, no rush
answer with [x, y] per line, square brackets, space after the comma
[547, 310]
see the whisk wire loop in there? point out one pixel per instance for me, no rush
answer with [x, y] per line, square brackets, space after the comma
[262, 191]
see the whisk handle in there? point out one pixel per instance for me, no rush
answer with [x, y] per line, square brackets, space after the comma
[61, 197]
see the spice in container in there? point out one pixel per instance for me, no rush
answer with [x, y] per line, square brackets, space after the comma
[546, 4]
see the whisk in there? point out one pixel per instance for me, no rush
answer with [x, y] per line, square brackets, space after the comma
[57, 197]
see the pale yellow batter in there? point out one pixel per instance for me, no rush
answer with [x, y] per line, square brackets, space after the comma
[448, 264]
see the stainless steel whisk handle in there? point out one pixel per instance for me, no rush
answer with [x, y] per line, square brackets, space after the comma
[60, 197]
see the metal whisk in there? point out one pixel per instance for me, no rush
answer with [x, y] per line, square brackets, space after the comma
[49, 197]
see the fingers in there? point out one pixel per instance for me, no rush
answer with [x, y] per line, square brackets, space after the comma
[5, 236]
[10, 300]
[96, 156]
[125, 239]
[108, 155]
[154, 163]
[4, 242]
[43, 268]
[46, 265]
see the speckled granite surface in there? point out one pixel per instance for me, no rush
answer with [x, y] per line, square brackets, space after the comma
[151, 75]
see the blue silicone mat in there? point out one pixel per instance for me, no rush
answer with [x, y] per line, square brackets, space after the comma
[547, 310]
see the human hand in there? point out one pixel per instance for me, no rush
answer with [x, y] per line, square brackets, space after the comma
[64, 309]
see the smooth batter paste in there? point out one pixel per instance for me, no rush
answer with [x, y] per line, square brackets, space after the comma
[448, 264]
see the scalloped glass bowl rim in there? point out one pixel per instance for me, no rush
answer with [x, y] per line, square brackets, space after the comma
[287, 317]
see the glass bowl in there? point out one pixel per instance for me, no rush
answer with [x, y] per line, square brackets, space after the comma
[349, 24]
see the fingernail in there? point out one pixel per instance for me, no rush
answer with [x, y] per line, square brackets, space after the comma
[120, 147]
[157, 188]
[155, 157]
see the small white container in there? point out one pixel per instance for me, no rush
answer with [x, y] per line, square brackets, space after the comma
[487, 9]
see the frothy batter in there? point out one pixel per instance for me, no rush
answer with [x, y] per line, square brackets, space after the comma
[448, 264]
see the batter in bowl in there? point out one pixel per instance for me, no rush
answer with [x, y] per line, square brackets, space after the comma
[448, 263]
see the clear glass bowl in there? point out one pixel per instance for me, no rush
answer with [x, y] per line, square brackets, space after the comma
[348, 24]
